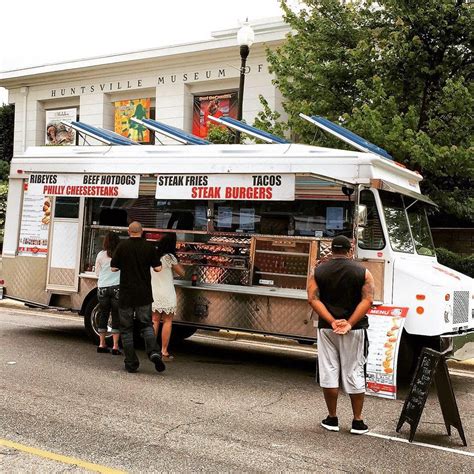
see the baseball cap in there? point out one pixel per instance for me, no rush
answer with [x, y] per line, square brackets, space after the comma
[341, 242]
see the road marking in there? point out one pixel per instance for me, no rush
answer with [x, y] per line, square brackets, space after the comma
[59, 457]
[423, 445]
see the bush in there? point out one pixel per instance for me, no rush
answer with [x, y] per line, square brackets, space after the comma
[456, 262]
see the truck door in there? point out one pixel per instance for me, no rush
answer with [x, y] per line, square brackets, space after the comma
[371, 244]
[65, 245]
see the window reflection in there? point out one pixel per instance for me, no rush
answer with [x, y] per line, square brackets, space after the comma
[397, 223]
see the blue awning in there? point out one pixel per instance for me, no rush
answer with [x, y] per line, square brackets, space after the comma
[105, 136]
[171, 132]
[346, 135]
[248, 129]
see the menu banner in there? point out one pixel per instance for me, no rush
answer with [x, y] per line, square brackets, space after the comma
[385, 331]
[35, 219]
[229, 187]
[87, 185]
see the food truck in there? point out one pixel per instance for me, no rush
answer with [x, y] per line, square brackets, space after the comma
[252, 222]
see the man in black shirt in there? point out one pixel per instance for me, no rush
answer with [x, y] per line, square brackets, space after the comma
[341, 293]
[134, 257]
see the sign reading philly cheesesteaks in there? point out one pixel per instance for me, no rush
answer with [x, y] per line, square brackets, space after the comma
[87, 185]
[230, 187]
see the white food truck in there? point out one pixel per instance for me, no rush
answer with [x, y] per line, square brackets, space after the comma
[252, 222]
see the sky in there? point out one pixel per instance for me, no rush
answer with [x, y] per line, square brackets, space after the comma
[35, 33]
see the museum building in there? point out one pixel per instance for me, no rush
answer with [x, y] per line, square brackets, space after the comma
[178, 85]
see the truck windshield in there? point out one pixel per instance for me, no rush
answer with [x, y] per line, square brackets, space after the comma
[402, 214]
[420, 228]
[397, 224]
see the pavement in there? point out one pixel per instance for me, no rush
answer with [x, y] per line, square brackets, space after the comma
[466, 365]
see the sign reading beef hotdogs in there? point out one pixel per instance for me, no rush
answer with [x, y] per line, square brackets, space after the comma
[87, 185]
[231, 187]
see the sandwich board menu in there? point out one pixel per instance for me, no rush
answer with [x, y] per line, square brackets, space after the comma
[431, 367]
[384, 333]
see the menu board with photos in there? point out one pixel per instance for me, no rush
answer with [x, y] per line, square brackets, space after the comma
[35, 219]
[384, 333]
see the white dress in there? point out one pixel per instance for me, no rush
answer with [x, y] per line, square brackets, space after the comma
[164, 294]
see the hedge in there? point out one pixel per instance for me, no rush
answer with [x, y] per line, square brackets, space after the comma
[456, 262]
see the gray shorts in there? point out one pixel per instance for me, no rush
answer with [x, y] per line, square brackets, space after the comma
[341, 360]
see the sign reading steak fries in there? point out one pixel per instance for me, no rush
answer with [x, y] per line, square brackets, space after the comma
[229, 187]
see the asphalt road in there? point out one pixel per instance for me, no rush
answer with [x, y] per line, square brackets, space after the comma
[220, 406]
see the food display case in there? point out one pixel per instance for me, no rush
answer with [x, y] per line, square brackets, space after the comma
[215, 259]
[282, 262]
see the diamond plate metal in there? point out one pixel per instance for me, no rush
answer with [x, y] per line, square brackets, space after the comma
[272, 315]
[25, 278]
[61, 276]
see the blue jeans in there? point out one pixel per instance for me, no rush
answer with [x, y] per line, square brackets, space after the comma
[143, 317]
[108, 303]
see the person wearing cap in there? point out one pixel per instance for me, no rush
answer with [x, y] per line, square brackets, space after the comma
[341, 292]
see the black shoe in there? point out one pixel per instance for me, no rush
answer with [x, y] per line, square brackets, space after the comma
[131, 370]
[330, 423]
[103, 350]
[156, 359]
[116, 352]
[359, 427]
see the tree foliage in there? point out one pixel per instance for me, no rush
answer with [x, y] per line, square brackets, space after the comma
[397, 72]
[7, 119]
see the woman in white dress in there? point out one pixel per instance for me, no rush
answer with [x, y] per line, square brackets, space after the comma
[164, 294]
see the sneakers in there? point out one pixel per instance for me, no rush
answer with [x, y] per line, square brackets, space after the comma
[359, 427]
[156, 359]
[330, 423]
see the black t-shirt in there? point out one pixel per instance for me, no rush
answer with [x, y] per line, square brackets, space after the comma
[134, 257]
[340, 282]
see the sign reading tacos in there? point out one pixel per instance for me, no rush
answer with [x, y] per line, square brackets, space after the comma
[87, 185]
[229, 187]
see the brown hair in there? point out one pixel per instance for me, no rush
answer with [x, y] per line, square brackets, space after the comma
[111, 240]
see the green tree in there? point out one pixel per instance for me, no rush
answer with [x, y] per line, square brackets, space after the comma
[7, 119]
[219, 134]
[397, 72]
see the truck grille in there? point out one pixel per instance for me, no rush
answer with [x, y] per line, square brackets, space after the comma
[460, 307]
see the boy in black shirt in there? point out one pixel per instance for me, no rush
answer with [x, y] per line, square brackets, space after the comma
[134, 257]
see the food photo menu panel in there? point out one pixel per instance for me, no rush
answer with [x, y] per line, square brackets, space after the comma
[385, 331]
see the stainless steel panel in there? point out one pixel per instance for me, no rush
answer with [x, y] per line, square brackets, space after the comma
[257, 313]
[25, 278]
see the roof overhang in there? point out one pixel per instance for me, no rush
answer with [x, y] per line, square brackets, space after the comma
[394, 188]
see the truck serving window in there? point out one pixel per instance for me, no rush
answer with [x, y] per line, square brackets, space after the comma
[420, 228]
[397, 223]
[370, 236]
[313, 218]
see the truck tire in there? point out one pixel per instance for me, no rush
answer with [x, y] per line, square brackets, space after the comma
[410, 349]
[91, 320]
[180, 333]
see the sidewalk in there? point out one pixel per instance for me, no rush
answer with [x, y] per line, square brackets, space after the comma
[239, 336]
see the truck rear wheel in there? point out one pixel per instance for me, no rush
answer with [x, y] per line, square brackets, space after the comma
[179, 333]
[91, 321]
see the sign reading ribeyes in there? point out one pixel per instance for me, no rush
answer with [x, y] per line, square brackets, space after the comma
[231, 187]
[87, 185]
